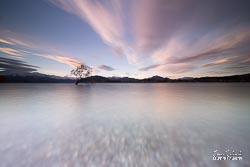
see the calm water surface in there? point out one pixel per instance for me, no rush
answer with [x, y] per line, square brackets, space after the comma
[171, 124]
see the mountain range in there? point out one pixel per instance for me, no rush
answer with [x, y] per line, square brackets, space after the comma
[43, 78]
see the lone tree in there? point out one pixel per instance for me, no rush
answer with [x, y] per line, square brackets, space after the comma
[80, 72]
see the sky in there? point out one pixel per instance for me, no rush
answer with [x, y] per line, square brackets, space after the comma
[126, 38]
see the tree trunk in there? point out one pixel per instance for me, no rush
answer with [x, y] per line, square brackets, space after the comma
[77, 81]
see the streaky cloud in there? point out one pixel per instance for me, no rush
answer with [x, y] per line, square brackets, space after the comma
[201, 29]
[176, 68]
[158, 21]
[104, 17]
[106, 68]
[17, 66]
[147, 68]
[221, 61]
[207, 48]
[173, 37]
[66, 60]
[10, 51]
[32, 48]
[6, 41]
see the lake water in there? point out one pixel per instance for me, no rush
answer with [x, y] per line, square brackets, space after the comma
[169, 124]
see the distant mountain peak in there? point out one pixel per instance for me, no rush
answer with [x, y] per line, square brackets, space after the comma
[157, 77]
[186, 78]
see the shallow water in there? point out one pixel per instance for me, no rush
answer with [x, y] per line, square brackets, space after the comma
[169, 124]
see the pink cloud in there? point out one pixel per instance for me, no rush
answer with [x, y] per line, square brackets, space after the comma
[208, 47]
[6, 41]
[221, 61]
[106, 68]
[157, 20]
[147, 68]
[162, 29]
[19, 42]
[105, 18]
[245, 61]
[176, 68]
[66, 60]
[11, 51]
[27, 44]
[174, 36]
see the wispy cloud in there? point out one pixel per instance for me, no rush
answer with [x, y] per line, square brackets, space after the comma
[17, 66]
[157, 22]
[228, 46]
[13, 38]
[11, 51]
[33, 48]
[169, 69]
[6, 41]
[221, 61]
[28, 42]
[118, 52]
[245, 58]
[62, 59]
[19, 42]
[173, 36]
[164, 30]
[176, 68]
[106, 68]
[106, 18]
[66, 60]
[207, 47]
[218, 62]
[183, 35]
[147, 68]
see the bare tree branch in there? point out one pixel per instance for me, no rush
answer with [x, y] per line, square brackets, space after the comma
[80, 72]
